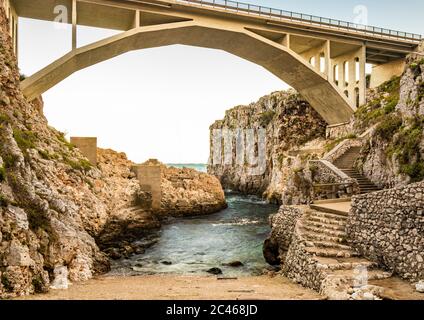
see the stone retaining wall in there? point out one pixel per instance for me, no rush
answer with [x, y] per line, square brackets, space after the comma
[326, 173]
[388, 227]
[296, 263]
[299, 267]
[283, 224]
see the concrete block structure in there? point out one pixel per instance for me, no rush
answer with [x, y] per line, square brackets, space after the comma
[383, 72]
[150, 178]
[87, 146]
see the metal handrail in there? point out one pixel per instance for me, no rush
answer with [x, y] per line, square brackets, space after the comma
[262, 11]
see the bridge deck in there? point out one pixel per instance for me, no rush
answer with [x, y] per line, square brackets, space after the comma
[383, 45]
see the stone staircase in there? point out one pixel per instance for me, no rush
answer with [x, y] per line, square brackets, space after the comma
[346, 163]
[335, 263]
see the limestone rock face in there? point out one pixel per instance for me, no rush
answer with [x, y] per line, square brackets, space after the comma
[393, 154]
[188, 192]
[293, 129]
[53, 203]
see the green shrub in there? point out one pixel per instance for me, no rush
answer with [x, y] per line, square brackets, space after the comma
[420, 92]
[24, 139]
[37, 219]
[4, 118]
[38, 284]
[9, 160]
[2, 173]
[6, 283]
[405, 145]
[47, 156]
[416, 66]
[391, 105]
[4, 202]
[266, 117]
[388, 127]
[415, 171]
[62, 139]
[81, 165]
[391, 86]
[331, 145]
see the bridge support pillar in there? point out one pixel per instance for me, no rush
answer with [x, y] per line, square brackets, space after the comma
[348, 72]
[136, 19]
[74, 24]
[150, 178]
[13, 24]
[318, 56]
[87, 146]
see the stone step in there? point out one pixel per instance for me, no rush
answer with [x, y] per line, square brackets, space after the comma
[366, 181]
[352, 274]
[313, 236]
[369, 189]
[325, 215]
[327, 210]
[325, 226]
[345, 163]
[331, 253]
[331, 245]
[330, 221]
[331, 233]
[344, 263]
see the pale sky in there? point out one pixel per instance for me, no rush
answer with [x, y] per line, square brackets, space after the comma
[159, 103]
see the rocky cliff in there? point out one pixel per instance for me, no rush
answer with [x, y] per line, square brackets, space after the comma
[49, 209]
[294, 133]
[57, 211]
[393, 155]
[187, 192]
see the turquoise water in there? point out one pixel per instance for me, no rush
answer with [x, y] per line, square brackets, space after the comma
[194, 245]
[197, 166]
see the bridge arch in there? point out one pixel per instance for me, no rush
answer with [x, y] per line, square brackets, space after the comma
[324, 96]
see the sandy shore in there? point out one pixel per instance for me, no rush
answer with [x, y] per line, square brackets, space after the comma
[181, 287]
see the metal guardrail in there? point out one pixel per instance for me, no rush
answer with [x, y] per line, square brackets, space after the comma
[279, 14]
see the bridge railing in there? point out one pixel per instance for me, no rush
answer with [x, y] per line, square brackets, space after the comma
[279, 14]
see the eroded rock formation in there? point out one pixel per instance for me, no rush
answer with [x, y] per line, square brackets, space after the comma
[294, 132]
[187, 192]
[56, 208]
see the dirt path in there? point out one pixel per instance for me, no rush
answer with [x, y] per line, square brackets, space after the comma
[181, 287]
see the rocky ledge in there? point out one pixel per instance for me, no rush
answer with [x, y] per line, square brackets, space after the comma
[188, 192]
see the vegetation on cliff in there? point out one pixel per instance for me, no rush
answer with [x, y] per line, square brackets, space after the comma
[394, 153]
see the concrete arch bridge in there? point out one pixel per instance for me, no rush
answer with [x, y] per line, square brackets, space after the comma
[324, 59]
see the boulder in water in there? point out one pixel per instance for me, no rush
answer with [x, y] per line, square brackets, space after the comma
[234, 264]
[215, 271]
[271, 252]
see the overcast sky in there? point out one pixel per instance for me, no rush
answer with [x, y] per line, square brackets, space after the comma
[159, 103]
